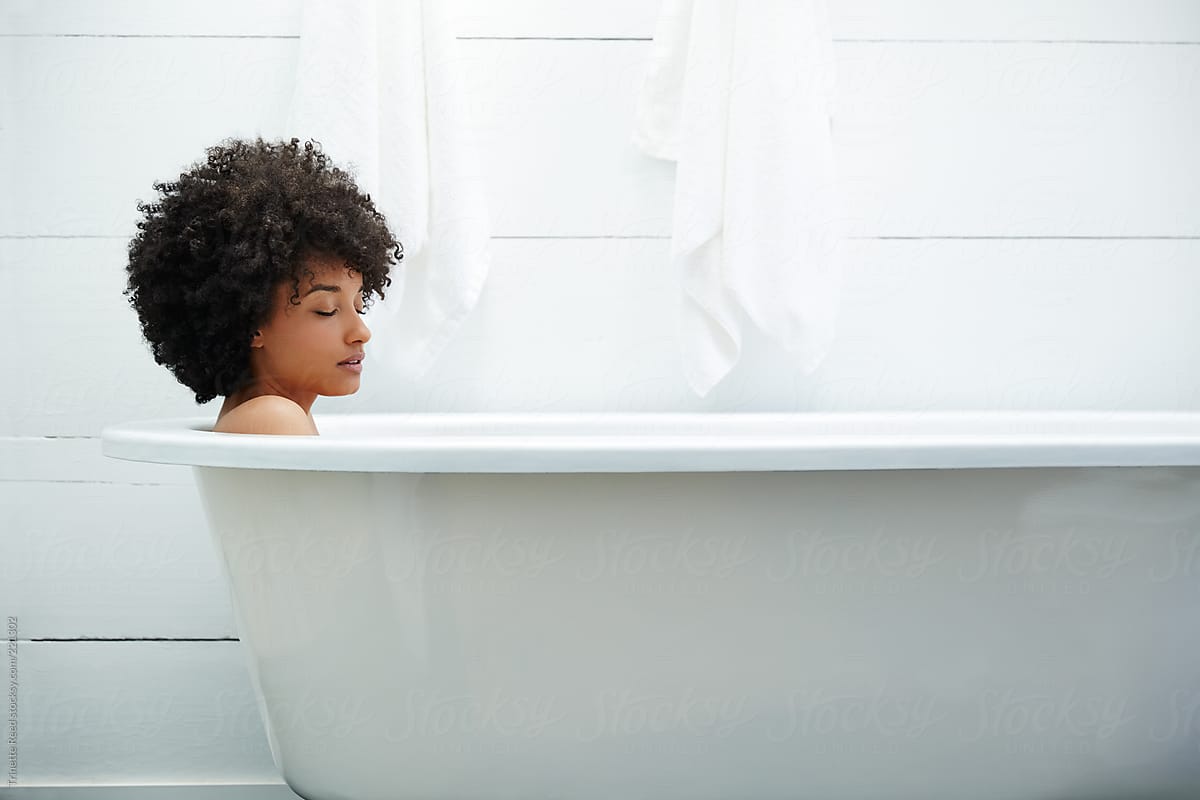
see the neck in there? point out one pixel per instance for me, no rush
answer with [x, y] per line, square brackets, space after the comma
[302, 399]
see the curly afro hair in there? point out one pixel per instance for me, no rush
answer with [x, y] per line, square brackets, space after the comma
[209, 254]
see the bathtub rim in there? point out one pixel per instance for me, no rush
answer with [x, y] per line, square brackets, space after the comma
[814, 441]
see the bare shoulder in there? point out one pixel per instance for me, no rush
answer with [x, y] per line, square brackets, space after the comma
[267, 414]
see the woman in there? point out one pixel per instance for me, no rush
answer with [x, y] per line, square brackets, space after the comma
[250, 276]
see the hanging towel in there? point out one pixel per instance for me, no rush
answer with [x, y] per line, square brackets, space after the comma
[377, 86]
[738, 93]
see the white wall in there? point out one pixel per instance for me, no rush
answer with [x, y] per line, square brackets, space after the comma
[1022, 181]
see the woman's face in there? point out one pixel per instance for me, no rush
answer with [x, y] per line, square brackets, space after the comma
[301, 347]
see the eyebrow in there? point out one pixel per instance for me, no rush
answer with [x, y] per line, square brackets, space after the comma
[324, 287]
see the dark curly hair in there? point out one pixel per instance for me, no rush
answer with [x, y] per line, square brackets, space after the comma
[209, 254]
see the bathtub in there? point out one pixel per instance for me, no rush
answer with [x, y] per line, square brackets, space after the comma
[678, 605]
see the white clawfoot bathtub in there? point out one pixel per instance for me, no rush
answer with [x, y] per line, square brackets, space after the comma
[667, 605]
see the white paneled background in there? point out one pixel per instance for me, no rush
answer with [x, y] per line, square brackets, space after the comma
[1023, 186]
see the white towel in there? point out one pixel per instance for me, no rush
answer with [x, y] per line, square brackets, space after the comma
[377, 86]
[738, 93]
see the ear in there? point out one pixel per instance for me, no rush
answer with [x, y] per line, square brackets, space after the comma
[256, 340]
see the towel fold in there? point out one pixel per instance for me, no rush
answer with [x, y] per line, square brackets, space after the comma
[377, 86]
[738, 93]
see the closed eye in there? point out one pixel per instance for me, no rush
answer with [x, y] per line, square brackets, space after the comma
[331, 313]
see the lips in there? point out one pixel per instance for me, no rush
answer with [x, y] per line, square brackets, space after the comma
[353, 364]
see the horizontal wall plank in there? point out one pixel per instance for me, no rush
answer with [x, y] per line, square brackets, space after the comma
[1016, 20]
[79, 460]
[931, 139]
[176, 791]
[163, 712]
[523, 18]
[95, 363]
[149, 107]
[1109, 20]
[110, 561]
[145, 18]
[592, 324]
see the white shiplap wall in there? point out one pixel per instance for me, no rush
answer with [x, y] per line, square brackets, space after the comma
[1023, 188]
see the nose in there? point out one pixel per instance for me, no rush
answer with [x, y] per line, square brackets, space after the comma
[360, 332]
